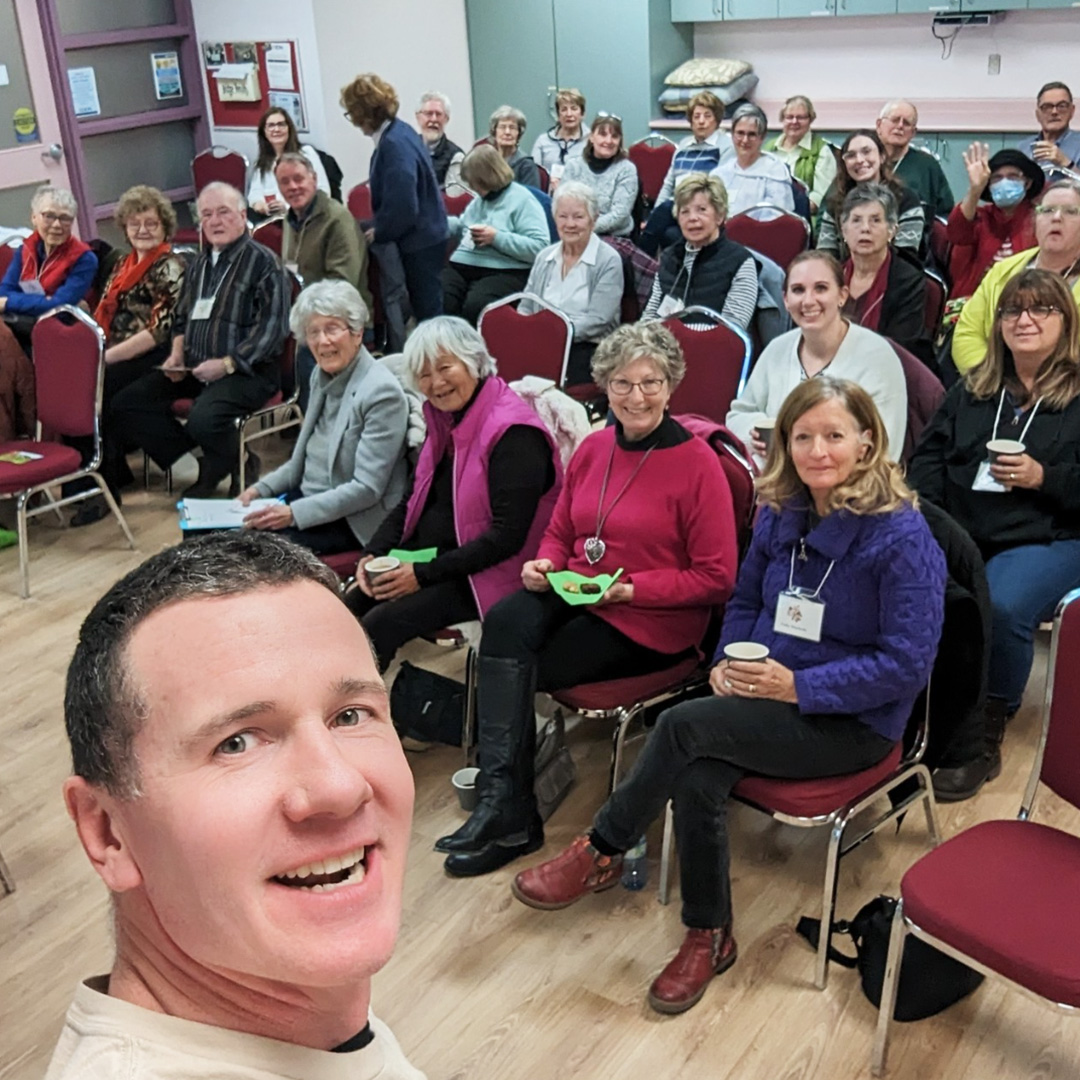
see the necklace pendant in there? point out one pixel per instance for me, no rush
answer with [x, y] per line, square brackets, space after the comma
[594, 550]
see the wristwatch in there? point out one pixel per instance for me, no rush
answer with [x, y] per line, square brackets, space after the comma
[230, 365]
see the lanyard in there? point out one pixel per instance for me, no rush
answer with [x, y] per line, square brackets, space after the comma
[801, 591]
[997, 419]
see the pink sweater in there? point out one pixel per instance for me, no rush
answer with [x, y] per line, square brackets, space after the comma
[673, 533]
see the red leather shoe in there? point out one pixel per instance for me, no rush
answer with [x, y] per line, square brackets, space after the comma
[574, 873]
[703, 954]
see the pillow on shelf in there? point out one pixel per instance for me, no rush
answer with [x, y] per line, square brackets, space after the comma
[729, 110]
[676, 98]
[704, 71]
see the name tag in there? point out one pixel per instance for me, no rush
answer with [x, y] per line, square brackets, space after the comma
[556, 171]
[292, 267]
[32, 287]
[670, 305]
[202, 309]
[798, 616]
[984, 480]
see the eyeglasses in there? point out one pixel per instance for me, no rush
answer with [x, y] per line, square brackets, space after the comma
[1065, 211]
[796, 119]
[900, 121]
[332, 331]
[649, 387]
[1054, 106]
[609, 116]
[52, 218]
[854, 155]
[277, 125]
[1037, 312]
[431, 114]
[133, 225]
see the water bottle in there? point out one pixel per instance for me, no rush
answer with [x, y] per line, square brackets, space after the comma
[635, 867]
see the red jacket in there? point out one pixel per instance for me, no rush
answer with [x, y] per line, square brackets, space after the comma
[975, 243]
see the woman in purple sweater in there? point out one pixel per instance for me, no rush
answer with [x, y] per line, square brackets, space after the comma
[845, 585]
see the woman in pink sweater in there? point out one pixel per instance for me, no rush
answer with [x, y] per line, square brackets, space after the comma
[643, 496]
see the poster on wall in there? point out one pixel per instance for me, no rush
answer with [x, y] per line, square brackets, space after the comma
[167, 84]
[84, 95]
[279, 66]
[213, 53]
[292, 104]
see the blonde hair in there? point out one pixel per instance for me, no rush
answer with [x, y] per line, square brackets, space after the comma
[706, 99]
[1057, 381]
[571, 95]
[485, 167]
[876, 484]
[139, 199]
[712, 187]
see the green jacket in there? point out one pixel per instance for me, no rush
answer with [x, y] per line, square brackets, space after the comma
[806, 165]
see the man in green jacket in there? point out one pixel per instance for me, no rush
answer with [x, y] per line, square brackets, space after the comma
[897, 125]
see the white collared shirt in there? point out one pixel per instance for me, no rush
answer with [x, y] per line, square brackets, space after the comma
[768, 180]
[570, 294]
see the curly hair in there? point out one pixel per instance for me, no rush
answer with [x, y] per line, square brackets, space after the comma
[369, 101]
[707, 100]
[139, 199]
[639, 341]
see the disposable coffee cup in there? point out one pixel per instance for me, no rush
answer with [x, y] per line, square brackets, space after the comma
[996, 447]
[464, 781]
[765, 429]
[747, 652]
[382, 565]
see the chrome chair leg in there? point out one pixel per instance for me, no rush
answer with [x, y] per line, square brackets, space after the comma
[889, 988]
[5, 878]
[828, 903]
[664, 890]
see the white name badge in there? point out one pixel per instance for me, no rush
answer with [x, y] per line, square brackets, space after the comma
[984, 480]
[798, 616]
[556, 171]
[670, 305]
[32, 287]
[292, 267]
[202, 309]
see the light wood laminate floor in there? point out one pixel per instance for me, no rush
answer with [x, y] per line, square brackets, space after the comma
[482, 987]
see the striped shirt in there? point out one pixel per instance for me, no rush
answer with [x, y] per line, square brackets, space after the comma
[739, 304]
[250, 316]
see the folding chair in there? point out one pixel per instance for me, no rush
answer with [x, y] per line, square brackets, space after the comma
[536, 344]
[219, 164]
[69, 367]
[834, 802]
[7, 254]
[717, 363]
[271, 234]
[773, 231]
[652, 157]
[455, 204]
[939, 242]
[1001, 896]
[935, 303]
[545, 178]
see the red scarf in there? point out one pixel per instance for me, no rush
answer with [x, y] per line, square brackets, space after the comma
[866, 310]
[54, 270]
[127, 274]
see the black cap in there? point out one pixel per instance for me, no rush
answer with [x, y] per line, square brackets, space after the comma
[1018, 160]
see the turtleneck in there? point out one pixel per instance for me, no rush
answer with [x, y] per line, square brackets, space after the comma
[666, 434]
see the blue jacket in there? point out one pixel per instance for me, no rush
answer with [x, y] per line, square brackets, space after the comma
[405, 195]
[884, 607]
[75, 287]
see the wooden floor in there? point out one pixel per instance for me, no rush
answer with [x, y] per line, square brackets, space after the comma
[482, 987]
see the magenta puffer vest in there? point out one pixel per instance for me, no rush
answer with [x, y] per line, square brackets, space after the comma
[495, 408]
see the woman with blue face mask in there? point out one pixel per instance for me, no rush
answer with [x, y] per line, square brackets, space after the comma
[995, 218]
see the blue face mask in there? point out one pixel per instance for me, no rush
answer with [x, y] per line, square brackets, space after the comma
[1007, 192]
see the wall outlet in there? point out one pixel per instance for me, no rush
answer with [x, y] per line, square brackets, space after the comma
[993, 66]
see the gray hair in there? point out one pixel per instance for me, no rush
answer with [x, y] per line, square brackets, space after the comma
[890, 105]
[435, 95]
[219, 187]
[1061, 185]
[293, 157]
[507, 112]
[749, 111]
[447, 335]
[639, 341]
[59, 196]
[103, 707]
[582, 193]
[333, 299]
[865, 194]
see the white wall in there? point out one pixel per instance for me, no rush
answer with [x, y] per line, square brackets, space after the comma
[415, 45]
[845, 63]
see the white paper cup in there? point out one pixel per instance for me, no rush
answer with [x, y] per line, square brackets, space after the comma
[747, 652]
[382, 565]
[464, 781]
[996, 447]
[765, 428]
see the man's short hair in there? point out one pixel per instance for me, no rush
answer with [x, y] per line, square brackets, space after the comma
[889, 106]
[219, 187]
[103, 706]
[1054, 86]
[293, 158]
[435, 95]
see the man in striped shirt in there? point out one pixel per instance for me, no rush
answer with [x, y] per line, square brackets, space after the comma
[231, 324]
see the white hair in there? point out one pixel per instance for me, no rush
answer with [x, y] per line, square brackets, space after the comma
[435, 95]
[450, 336]
[58, 196]
[332, 298]
[890, 105]
[219, 187]
[582, 193]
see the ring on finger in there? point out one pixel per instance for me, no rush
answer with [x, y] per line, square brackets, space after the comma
[752, 688]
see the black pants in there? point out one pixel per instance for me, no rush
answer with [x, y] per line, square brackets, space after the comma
[141, 414]
[329, 538]
[660, 230]
[392, 623]
[467, 290]
[579, 365]
[422, 280]
[696, 754]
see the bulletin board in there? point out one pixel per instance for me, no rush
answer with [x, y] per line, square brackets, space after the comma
[245, 114]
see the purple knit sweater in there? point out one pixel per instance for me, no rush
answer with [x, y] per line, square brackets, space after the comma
[884, 606]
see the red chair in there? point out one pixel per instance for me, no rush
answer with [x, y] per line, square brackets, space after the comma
[545, 178]
[652, 157]
[69, 367]
[775, 232]
[219, 164]
[536, 344]
[835, 802]
[1001, 896]
[271, 234]
[939, 242]
[717, 363]
[359, 202]
[936, 294]
[924, 394]
[455, 204]
[7, 254]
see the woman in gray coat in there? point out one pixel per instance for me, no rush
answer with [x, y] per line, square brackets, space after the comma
[348, 469]
[580, 275]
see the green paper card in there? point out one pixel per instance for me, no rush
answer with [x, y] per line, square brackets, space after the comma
[423, 555]
[563, 578]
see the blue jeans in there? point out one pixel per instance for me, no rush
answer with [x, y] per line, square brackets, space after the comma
[1026, 584]
[660, 230]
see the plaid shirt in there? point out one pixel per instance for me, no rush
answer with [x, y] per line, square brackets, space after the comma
[250, 317]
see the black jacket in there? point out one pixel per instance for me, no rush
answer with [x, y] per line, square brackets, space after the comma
[903, 309]
[710, 277]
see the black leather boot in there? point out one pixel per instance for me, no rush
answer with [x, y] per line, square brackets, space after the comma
[964, 781]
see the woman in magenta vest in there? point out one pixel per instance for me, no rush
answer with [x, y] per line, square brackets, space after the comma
[643, 496]
[484, 489]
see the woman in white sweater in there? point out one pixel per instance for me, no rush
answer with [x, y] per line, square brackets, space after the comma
[605, 168]
[814, 295]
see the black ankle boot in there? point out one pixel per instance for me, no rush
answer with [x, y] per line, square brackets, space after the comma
[964, 781]
[484, 825]
[497, 853]
[206, 485]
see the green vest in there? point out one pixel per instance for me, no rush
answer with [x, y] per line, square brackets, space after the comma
[806, 164]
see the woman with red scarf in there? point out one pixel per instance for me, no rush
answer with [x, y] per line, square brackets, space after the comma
[52, 267]
[136, 314]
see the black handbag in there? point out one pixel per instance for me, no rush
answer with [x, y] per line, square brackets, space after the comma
[555, 770]
[930, 981]
[427, 706]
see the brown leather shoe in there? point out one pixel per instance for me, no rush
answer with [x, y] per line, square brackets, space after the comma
[703, 954]
[574, 873]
